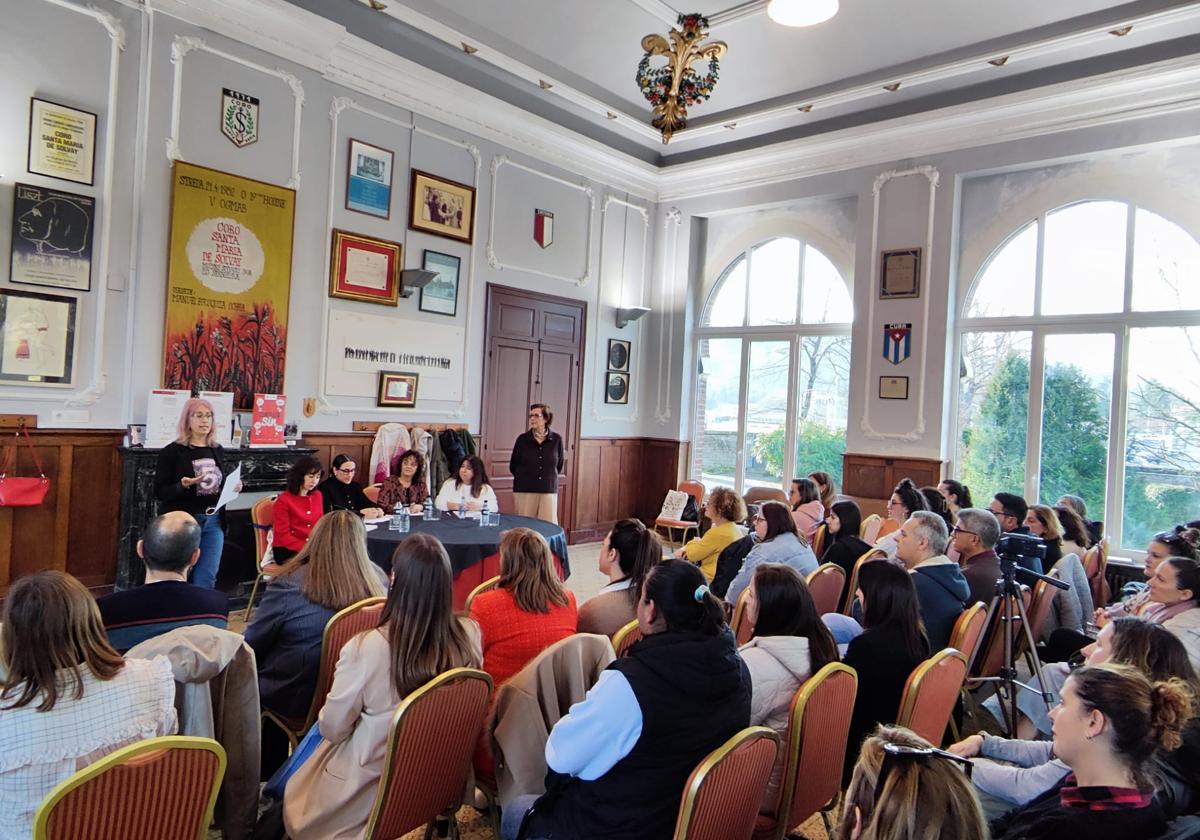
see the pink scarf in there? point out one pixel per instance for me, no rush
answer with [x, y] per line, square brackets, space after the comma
[1161, 613]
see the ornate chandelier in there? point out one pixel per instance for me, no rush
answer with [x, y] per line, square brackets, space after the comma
[671, 88]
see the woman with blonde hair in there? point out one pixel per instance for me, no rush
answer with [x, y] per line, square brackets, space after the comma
[1042, 522]
[67, 697]
[724, 509]
[826, 488]
[331, 572]
[418, 637]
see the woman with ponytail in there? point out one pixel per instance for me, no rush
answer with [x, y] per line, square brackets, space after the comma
[619, 760]
[1112, 720]
[627, 554]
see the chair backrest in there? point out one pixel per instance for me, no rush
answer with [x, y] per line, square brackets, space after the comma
[164, 788]
[743, 631]
[723, 794]
[868, 556]
[758, 495]
[341, 628]
[820, 539]
[488, 584]
[825, 585]
[430, 744]
[624, 638]
[1041, 605]
[990, 657]
[930, 694]
[818, 728]
[868, 531]
[1101, 592]
[262, 517]
[696, 490]
[968, 630]
[371, 491]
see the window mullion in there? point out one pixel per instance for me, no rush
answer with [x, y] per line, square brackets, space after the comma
[1033, 439]
[793, 398]
[749, 275]
[1131, 219]
[1115, 506]
[1038, 265]
[739, 460]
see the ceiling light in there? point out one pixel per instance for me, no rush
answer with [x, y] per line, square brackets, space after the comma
[801, 12]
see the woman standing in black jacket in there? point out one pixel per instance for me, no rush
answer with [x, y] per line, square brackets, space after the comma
[843, 523]
[537, 459]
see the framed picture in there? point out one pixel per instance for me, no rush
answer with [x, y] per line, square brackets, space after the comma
[62, 141]
[136, 433]
[900, 274]
[52, 238]
[616, 389]
[364, 268]
[38, 338]
[369, 179]
[441, 295]
[441, 207]
[618, 354]
[397, 390]
[893, 387]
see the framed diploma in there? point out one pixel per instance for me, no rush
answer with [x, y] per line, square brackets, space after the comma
[900, 274]
[893, 387]
[62, 141]
[364, 268]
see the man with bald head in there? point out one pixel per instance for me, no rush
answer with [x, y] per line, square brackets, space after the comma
[169, 547]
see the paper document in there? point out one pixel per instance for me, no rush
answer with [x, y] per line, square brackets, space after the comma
[228, 490]
[376, 520]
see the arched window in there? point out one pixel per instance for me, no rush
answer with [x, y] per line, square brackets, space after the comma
[773, 368]
[1079, 349]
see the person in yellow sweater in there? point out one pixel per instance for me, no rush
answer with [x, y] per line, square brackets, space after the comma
[724, 509]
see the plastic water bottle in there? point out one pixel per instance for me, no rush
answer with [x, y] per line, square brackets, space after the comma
[430, 512]
[484, 520]
[404, 519]
[394, 522]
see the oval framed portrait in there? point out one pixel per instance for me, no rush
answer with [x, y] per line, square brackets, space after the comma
[616, 390]
[618, 354]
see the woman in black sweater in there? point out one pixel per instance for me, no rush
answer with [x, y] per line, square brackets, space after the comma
[843, 523]
[341, 492]
[538, 457]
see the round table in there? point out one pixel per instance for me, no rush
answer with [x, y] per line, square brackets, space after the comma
[466, 542]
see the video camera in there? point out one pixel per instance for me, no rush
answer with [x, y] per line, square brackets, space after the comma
[1013, 548]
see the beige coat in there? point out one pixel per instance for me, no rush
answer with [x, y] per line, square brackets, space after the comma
[529, 704]
[606, 613]
[331, 794]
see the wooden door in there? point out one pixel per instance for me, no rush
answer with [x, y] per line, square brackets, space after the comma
[534, 354]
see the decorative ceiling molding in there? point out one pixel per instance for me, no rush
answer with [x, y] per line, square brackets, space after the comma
[669, 14]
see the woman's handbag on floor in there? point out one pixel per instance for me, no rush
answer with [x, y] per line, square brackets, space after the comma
[307, 746]
[17, 491]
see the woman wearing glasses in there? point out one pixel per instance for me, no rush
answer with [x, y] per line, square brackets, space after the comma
[341, 492]
[537, 458]
[905, 499]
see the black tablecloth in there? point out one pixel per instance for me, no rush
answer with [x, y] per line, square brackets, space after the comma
[466, 542]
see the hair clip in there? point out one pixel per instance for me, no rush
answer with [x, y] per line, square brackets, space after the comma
[700, 592]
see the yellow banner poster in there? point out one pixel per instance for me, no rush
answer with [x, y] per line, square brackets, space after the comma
[228, 278]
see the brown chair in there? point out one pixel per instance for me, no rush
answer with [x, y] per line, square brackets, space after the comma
[1040, 606]
[722, 796]
[697, 491]
[624, 638]
[758, 495]
[486, 586]
[340, 629]
[262, 519]
[868, 531]
[818, 728]
[820, 539]
[1095, 564]
[825, 585]
[441, 720]
[371, 491]
[930, 693]
[743, 630]
[867, 557]
[160, 788]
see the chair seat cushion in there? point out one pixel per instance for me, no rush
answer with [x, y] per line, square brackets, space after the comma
[676, 523]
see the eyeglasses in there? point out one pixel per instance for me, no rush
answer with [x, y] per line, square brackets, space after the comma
[893, 754]
[202, 415]
[347, 470]
[958, 530]
[535, 416]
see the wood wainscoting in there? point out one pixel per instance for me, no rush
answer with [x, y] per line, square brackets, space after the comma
[331, 444]
[870, 479]
[75, 529]
[621, 478]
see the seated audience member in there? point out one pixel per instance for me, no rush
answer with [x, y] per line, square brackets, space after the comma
[974, 538]
[407, 486]
[341, 492]
[626, 556]
[790, 644]
[724, 509]
[1179, 542]
[906, 499]
[892, 644]
[956, 494]
[729, 561]
[905, 789]
[935, 502]
[1095, 529]
[169, 547]
[297, 509]
[1112, 719]
[1010, 511]
[845, 546]
[418, 637]
[826, 488]
[942, 591]
[778, 542]
[469, 489]
[807, 510]
[1043, 523]
[619, 760]
[1076, 539]
[330, 573]
[68, 698]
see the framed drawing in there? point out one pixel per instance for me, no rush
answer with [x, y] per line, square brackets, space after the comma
[62, 141]
[37, 338]
[364, 268]
[369, 179]
[616, 390]
[397, 390]
[441, 207]
[441, 295]
[900, 274]
[618, 354]
[52, 238]
[893, 387]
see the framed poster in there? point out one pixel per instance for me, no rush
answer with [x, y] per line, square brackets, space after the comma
[618, 354]
[893, 387]
[228, 280]
[441, 295]
[900, 274]
[369, 179]
[441, 207]
[616, 390]
[52, 238]
[397, 390]
[38, 338]
[62, 141]
[364, 268]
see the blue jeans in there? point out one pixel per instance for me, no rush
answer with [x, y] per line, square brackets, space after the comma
[212, 543]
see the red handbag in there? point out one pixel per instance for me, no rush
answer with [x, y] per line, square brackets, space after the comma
[22, 492]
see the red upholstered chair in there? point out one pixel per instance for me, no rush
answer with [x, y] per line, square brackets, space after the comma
[868, 531]
[816, 748]
[930, 694]
[428, 760]
[697, 491]
[624, 638]
[965, 637]
[1095, 564]
[262, 518]
[160, 788]
[371, 491]
[820, 539]
[487, 585]
[868, 556]
[743, 630]
[825, 586]
[721, 797]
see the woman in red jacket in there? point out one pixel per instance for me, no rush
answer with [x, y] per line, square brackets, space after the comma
[297, 509]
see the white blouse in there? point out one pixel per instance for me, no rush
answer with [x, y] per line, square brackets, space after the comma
[460, 494]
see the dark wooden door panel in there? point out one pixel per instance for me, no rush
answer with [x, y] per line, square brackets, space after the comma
[516, 319]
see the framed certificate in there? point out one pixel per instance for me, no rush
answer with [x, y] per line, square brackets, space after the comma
[364, 268]
[893, 387]
[397, 390]
[62, 141]
[900, 274]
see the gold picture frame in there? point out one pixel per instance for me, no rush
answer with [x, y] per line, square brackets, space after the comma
[397, 390]
[442, 207]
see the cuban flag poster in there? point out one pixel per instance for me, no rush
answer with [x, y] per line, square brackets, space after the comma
[897, 342]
